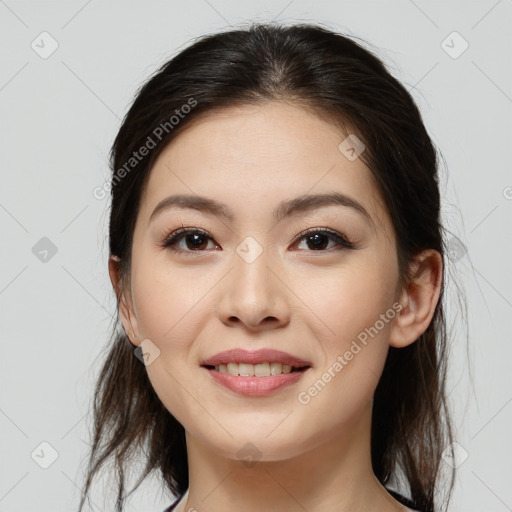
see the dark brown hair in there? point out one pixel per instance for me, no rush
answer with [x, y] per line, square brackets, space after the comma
[335, 76]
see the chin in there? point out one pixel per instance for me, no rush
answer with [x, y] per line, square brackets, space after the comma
[251, 445]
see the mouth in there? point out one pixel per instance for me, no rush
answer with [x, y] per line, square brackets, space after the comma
[255, 373]
[259, 380]
[261, 370]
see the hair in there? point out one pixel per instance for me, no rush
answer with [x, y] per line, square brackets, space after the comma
[330, 75]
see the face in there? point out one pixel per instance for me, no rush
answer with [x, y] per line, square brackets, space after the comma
[263, 276]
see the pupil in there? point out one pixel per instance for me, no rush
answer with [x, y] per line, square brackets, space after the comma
[317, 240]
[197, 238]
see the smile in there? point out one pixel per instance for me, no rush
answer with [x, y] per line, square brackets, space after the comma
[253, 385]
[256, 370]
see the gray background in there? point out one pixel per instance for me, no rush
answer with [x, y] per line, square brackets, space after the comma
[59, 117]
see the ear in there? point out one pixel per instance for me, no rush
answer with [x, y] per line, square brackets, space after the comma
[128, 318]
[418, 299]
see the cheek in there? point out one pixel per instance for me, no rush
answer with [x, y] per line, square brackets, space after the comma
[165, 301]
[355, 310]
[350, 299]
[171, 312]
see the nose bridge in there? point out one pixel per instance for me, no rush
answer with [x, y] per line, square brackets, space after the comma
[252, 291]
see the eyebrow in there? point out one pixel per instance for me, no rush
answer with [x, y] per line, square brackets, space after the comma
[284, 209]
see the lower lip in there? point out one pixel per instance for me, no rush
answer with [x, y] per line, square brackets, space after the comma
[256, 386]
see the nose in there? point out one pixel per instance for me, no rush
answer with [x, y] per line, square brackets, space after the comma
[254, 296]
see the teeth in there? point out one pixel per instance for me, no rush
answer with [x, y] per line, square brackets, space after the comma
[262, 370]
[246, 370]
[258, 370]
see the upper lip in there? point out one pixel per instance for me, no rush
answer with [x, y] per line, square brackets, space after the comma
[264, 355]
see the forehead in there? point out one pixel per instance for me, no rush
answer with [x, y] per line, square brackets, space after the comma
[253, 157]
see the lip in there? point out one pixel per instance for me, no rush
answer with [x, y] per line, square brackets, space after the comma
[264, 355]
[256, 386]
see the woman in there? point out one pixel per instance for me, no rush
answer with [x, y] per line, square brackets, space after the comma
[278, 262]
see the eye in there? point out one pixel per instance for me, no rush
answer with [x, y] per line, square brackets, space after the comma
[317, 239]
[196, 240]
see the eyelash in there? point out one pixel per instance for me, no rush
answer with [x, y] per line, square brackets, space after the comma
[171, 240]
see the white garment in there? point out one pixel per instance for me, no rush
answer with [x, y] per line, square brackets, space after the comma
[181, 504]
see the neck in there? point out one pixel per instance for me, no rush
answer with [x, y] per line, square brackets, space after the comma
[335, 473]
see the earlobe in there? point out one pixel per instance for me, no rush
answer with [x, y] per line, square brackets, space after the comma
[403, 327]
[126, 313]
[419, 300]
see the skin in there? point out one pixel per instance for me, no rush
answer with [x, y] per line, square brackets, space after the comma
[191, 305]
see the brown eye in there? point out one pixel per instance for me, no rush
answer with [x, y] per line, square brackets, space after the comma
[195, 240]
[318, 239]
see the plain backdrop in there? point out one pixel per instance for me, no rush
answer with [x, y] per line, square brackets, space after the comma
[69, 71]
